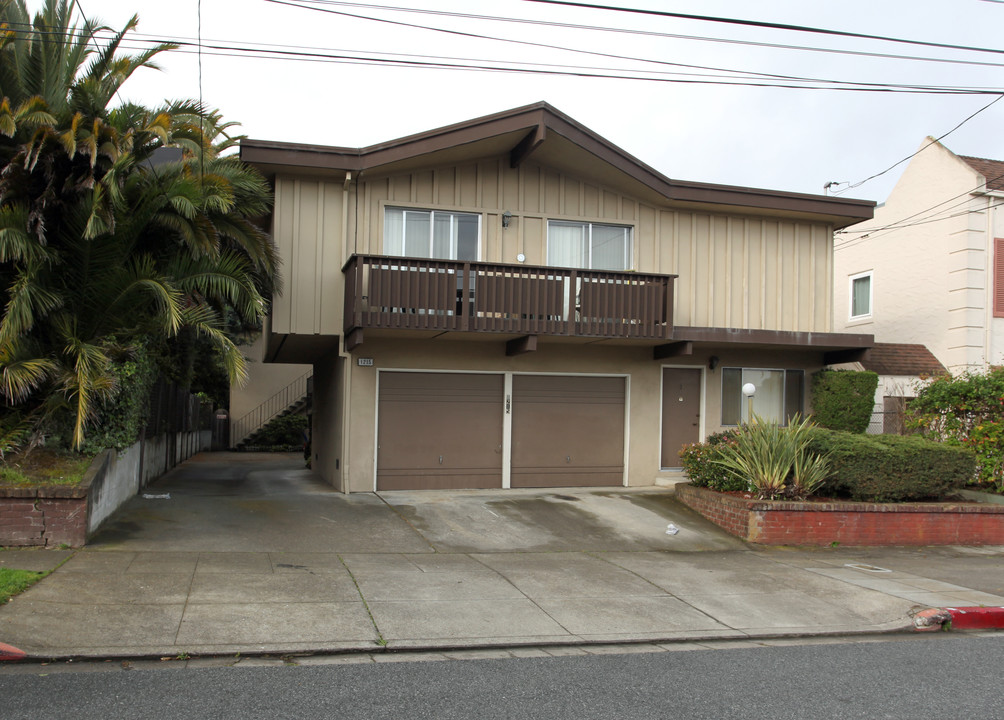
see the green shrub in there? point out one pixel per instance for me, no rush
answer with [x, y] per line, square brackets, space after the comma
[700, 462]
[967, 410]
[891, 468]
[283, 431]
[843, 399]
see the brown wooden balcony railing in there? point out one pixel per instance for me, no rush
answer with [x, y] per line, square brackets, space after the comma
[420, 294]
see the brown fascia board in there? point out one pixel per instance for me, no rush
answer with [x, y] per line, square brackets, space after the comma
[541, 117]
[822, 341]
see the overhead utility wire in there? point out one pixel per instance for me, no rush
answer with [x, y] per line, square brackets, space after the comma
[902, 223]
[652, 33]
[264, 50]
[858, 85]
[770, 25]
[908, 157]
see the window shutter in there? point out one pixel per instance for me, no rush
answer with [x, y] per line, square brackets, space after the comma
[998, 277]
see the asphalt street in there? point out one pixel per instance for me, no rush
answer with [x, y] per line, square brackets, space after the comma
[941, 676]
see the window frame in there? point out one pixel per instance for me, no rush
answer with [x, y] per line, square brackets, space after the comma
[589, 225]
[432, 213]
[787, 374]
[871, 295]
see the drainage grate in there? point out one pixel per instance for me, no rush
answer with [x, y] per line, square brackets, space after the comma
[866, 568]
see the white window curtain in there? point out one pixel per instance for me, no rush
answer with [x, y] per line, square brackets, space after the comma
[861, 295]
[431, 234]
[566, 244]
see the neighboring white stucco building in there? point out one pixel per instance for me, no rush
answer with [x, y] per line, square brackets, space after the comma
[929, 268]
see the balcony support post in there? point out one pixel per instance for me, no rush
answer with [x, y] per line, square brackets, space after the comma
[520, 345]
[674, 349]
[353, 339]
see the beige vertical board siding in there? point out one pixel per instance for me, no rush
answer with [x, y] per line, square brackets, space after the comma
[734, 270]
[591, 200]
[535, 241]
[550, 198]
[284, 215]
[645, 251]
[571, 197]
[467, 192]
[307, 229]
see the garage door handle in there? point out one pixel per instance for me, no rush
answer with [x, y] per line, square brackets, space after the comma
[440, 459]
[568, 458]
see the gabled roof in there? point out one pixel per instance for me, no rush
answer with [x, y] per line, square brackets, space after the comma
[991, 170]
[902, 359]
[551, 138]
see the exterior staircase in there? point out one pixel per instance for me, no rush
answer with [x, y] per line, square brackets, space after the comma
[294, 398]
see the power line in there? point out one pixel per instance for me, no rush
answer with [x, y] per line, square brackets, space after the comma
[468, 64]
[769, 25]
[655, 34]
[908, 157]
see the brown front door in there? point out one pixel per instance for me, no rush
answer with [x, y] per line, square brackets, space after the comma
[567, 431]
[681, 412]
[439, 431]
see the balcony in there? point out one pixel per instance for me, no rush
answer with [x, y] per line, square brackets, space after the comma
[393, 293]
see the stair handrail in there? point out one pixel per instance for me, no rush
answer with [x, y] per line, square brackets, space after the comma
[256, 419]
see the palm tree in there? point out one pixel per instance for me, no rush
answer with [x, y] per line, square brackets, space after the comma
[101, 245]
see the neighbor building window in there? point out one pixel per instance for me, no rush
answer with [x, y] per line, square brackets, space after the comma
[779, 394]
[588, 245]
[431, 234]
[861, 295]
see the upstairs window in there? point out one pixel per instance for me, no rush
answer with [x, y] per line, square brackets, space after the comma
[861, 296]
[435, 234]
[588, 245]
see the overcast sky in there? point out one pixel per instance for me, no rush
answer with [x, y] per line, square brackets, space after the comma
[780, 138]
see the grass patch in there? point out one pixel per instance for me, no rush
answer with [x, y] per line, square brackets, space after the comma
[13, 582]
[44, 466]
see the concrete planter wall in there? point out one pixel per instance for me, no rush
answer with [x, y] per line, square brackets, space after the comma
[848, 523]
[56, 515]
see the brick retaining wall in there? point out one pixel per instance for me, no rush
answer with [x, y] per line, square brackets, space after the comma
[46, 517]
[848, 523]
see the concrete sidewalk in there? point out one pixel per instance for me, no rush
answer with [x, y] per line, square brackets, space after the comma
[252, 555]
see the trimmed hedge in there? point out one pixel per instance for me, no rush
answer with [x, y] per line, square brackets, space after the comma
[843, 399]
[700, 462]
[892, 468]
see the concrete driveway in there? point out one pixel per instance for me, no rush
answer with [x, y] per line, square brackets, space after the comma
[234, 553]
[255, 502]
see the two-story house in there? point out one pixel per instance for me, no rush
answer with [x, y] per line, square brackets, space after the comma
[514, 301]
[928, 269]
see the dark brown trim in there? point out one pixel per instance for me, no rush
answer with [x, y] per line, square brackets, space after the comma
[777, 338]
[353, 339]
[521, 345]
[535, 121]
[527, 145]
[673, 349]
[835, 357]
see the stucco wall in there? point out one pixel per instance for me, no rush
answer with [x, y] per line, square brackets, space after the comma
[644, 399]
[930, 280]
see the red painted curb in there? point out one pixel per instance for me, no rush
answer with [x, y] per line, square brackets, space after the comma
[9, 653]
[973, 618]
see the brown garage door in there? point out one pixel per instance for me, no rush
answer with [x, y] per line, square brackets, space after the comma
[439, 431]
[567, 431]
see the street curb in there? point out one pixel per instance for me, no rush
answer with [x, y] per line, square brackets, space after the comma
[167, 655]
[959, 618]
[977, 618]
[9, 653]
